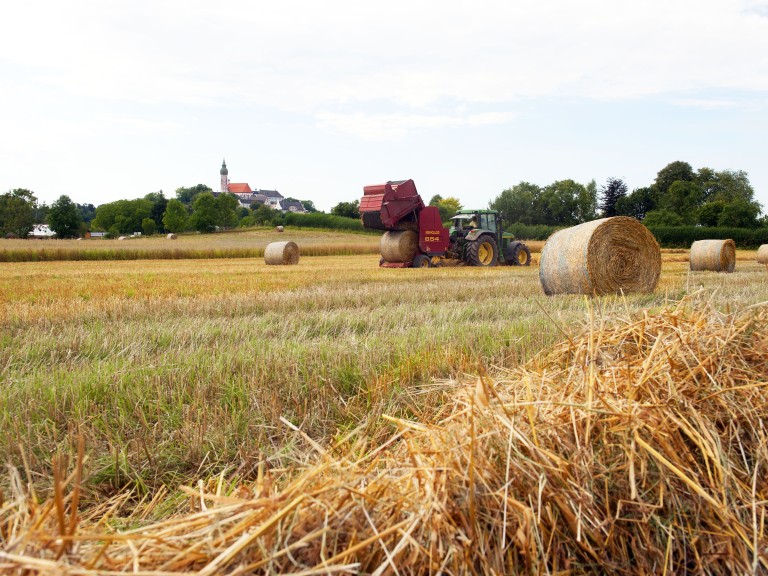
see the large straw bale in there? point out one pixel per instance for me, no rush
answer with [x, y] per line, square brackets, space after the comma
[171, 236]
[762, 254]
[281, 253]
[713, 255]
[640, 448]
[399, 245]
[604, 256]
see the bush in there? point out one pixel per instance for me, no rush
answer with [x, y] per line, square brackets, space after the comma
[322, 220]
[532, 231]
[684, 236]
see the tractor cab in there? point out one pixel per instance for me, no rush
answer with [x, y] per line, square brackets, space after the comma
[474, 222]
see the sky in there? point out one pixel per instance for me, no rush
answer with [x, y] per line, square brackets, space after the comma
[103, 100]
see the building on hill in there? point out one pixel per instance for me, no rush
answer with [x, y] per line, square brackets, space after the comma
[292, 206]
[249, 196]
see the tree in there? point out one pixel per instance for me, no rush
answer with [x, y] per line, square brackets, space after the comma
[614, 190]
[122, 216]
[64, 218]
[188, 195]
[448, 207]
[205, 213]
[148, 226]
[740, 214]
[87, 212]
[263, 215]
[709, 213]
[683, 198]
[662, 217]
[558, 203]
[226, 208]
[347, 209]
[671, 173]
[637, 204]
[175, 217]
[516, 204]
[17, 211]
[159, 204]
[586, 203]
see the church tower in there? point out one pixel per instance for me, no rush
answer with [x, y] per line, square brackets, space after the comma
[224, 173]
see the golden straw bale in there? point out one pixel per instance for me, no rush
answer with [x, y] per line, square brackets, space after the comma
[171, 236]
[399, 245]
[279, 228]
[713, 255]
[604, 256]
[281, 253]
[762, 254]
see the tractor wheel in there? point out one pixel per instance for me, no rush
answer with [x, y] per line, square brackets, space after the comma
[483, 252]
[521, 256]
[421, 261]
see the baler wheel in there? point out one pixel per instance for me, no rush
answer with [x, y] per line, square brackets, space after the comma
[421, 261]
[483, 252]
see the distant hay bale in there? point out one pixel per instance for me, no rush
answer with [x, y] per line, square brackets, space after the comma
[713, 255]
[762, 254]
[121, 238]
[284, 253]
[399, 245]
[171, 236]
[604, 256]
[279, 228]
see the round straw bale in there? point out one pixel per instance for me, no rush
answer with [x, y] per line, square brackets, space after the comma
[399, 245]
[171, 236]
[604, 256]
[279, 228]
[281, 253]
[714, 255]
[121, 238]
[762, 254]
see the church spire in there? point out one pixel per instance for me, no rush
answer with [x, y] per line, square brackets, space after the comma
[224, 173]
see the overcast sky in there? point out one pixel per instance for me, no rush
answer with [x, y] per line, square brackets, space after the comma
[103, 100]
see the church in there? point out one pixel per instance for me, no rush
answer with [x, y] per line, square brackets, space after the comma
[249, 196]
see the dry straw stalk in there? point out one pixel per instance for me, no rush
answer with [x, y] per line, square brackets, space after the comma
[604, 256]
[640, 448]
[713, 255]
[281, 253]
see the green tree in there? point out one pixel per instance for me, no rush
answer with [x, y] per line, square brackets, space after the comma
[17, 212]
[673, 172]
[586, 203]
[610, 194]
[309, 206]
[740, 214]
[64, 218]
[122, 216]
[159, 204]
[448, 207]
[637, 204]
[148, 226]
[176, 216]
[226, 208]
[709, 213]
[516, 204]
[263, 215]
[87, 212]
[558, 203]
[188, 195]
[684, 199]
[205, 213]
[662, 217]
[347, 209]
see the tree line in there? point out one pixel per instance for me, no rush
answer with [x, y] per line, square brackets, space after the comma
[679, 196]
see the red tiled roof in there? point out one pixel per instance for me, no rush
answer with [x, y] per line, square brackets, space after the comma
[240, 189]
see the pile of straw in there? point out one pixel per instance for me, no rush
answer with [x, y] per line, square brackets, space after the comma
[713, 255]
[280, 253]
[762, 254]
[636, 449]
[604, 256]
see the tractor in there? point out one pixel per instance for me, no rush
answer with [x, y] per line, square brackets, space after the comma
[416, 238]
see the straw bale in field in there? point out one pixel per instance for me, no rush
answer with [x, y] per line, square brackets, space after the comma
[604, 256]
[281, 253]
[762, 254]
[399, 245]
[171, 236]
[713, 255]
[640, 448]
[279, 228]
[121, 238]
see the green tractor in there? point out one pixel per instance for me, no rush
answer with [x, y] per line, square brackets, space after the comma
[477, 237]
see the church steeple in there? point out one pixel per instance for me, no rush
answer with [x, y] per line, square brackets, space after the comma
[224, 173]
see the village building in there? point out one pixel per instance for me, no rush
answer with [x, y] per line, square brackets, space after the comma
[248, 196]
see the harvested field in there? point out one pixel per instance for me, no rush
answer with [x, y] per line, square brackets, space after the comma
[199, 372]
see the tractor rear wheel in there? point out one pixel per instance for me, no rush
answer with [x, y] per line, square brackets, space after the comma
[483, 252]
[421, 261]
[521, 256]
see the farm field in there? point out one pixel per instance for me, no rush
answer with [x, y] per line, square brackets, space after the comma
[169, 371]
